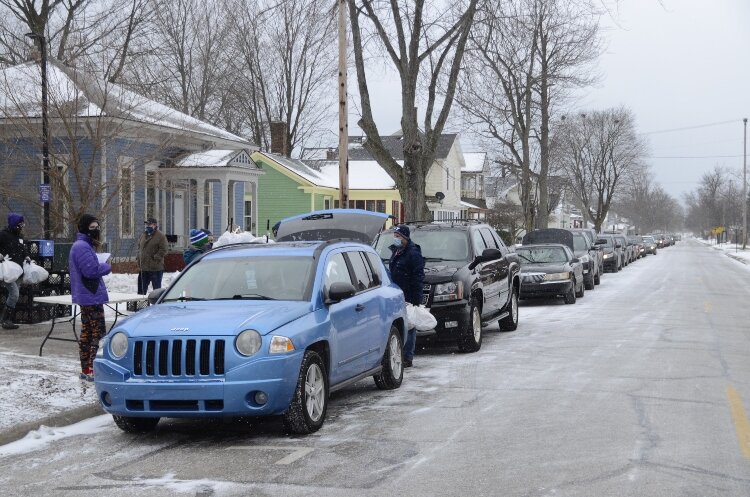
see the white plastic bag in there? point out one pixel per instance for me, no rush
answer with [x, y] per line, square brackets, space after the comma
[33, 273]
[228, 238]
[9, 270]
[419, 317]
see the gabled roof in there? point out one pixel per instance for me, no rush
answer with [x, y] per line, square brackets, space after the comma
[363, 175]
[217, 158]
[84, 94]
[475, 162]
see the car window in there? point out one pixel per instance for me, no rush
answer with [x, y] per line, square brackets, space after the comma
[579, 242]
[478, 242]
[376, 265]
[608, 241]
[336, 271]
[362, 274]
[436, 245]
[489, 240]
[499, 242]
[244, 278]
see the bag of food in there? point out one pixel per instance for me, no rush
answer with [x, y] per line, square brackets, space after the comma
[419, 317]
[9, 270]
[33, 273]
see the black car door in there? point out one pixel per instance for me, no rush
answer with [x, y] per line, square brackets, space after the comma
[486, 272]
[502, 266]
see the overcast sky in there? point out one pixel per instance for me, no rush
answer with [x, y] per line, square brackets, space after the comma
[675, 64]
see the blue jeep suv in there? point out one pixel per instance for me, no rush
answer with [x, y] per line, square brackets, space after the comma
[260, 329]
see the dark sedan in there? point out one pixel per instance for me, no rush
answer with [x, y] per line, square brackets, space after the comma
[550, 270]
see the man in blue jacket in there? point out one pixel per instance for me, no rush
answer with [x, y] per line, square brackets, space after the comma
[407, 271]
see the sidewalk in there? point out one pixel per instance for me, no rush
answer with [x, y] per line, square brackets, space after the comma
[46, 391]
[729, 249]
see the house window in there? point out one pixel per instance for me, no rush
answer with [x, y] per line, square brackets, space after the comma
[380, 206]
[396, 211]
[327, 204]
[360, 204]
[248, 215]
[335, 204]
[370, 205]
[126, 202]
[208, 204]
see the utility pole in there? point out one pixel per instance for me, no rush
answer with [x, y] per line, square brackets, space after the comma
[343, 112]
[44, 189]
[744, 187]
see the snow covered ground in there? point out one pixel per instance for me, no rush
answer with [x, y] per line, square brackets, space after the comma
[35, 388]
[732, 250]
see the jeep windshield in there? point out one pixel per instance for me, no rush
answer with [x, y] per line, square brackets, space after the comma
[579, 243]
[436, 245]
[244, 278]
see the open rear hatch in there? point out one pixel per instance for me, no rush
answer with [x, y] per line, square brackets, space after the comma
[351, 224]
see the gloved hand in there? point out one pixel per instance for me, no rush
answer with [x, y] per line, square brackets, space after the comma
[28, 259]
[2, 258]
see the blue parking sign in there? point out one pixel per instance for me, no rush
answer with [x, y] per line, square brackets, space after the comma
[45, 193]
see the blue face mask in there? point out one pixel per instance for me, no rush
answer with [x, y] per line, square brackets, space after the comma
[149, 230]
[397, 242]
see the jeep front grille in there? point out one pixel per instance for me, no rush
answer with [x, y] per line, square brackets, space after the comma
[178, 357]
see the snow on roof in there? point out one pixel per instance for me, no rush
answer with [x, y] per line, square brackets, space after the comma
[209, 158]
[363, 175]
[20, 96]
[302, 169]
[474, 162]
[470, 206]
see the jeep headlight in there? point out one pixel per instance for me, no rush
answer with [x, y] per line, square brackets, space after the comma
[248, 342]
[607, 256]
[452, 290]
[556, 276]
[118, 345]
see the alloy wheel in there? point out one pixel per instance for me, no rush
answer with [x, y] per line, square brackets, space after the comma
[314, 392]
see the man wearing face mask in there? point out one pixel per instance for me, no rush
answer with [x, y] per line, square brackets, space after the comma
[407, 271]
[11, 244]
[152, 248]
[88, 290]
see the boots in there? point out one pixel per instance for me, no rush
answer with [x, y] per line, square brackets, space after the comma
[7, 319]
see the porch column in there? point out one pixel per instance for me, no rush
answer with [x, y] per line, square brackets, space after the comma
[224, 219]
[200, 200]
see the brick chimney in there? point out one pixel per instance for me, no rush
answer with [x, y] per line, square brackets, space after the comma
[279, 143]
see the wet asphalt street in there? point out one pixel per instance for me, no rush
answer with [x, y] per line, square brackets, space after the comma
[642, 388]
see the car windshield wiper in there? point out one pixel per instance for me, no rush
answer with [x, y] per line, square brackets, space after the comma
[183, 299]
[248, 296]
[434, 259]
[526, 258]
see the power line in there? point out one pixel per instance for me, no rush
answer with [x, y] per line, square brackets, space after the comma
[693, 156]
[697, 126]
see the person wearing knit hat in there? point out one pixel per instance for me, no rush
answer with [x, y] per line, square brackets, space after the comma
[152, 250]
[11, 245]
[198, 245]
[406, 267]
[88, 291]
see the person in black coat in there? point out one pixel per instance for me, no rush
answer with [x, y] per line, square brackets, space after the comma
[407, 271]
[11, 245]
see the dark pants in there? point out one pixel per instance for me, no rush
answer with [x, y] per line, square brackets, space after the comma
[93, 329]
[149, 277]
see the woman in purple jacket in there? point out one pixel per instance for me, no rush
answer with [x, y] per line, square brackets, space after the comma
[88, 290]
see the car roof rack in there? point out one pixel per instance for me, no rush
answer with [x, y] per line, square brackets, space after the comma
[450, 222]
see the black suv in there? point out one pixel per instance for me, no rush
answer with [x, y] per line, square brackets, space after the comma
[471, 278]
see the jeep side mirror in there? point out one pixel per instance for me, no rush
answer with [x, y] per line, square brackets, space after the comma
[600, 242]
[340, 290]
[575, 260]
[155, 294]
[618, 245]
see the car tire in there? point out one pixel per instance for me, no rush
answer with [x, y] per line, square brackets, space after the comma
[570, 296]
[510, 322]
[130, 424]
[590, 281]
[470, 339]
[306, 413]
[392, 374]
[582, 291]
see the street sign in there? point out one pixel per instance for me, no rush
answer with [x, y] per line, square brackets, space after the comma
[717, 230]
[45, 193]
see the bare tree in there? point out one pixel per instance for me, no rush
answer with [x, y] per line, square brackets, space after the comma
[285, 68]
[422, 47]
[537, 50]
[596, 153]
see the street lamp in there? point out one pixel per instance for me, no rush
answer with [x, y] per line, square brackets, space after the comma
[44, 188]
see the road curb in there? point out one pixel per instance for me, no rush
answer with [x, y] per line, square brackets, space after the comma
[736, 258]
[19, 431]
